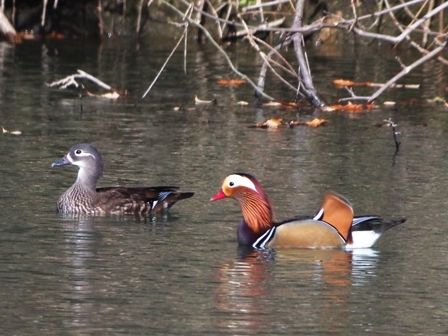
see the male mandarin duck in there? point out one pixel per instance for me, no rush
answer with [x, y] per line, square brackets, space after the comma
[334, 226]
[84, 198]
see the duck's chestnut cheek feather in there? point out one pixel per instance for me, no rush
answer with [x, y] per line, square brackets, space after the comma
[218, 196]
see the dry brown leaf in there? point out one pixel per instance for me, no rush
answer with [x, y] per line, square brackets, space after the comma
[108, 95]
[57, 36]
[280, 103]
[231, 81]
[343, 82]
[316, 122]
[272, 103]
[270, 123]
[350, 107]
[4, 130]
[273, 123]
[200, 101]
[28, 36]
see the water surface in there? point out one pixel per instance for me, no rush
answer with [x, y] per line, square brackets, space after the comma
[183, 273]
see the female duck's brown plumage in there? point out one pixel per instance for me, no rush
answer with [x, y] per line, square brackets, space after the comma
[333, 226]
[84, 198]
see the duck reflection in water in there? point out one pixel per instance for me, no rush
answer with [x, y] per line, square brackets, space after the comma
[314, 286]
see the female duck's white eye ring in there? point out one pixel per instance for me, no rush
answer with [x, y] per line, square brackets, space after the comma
[78, 152]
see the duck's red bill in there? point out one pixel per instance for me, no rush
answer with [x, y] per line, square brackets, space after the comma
[218, 196]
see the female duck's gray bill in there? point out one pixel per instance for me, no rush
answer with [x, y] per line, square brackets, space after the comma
[62, 162]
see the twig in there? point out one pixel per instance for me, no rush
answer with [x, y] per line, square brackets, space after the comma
[44, 10]
[266, 4]
[267, 59]
[390, 123]
[350, 91]
[355, 14]
[308, 88]
[267, 64]
[139, 18]
[350, 99]
[227, 18]
[427, 24]
[6, 28]
[406, 70]
[164, 64]
[274, 51]
[218, 26]
[71, 80]
[218, 47]
[417, 23]
[13, 14]
[100, 17]
[185, 50]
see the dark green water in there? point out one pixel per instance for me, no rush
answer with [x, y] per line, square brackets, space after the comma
[183, 274]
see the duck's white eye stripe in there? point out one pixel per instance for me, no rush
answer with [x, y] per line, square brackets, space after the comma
[240, 181]
[82, 154]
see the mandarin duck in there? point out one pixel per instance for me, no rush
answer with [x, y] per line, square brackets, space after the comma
[84, 198]
[334, 225]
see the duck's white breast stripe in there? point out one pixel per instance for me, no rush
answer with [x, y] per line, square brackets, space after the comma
[264, 239]
[319, 215]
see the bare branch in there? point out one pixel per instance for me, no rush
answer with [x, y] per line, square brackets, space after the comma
[216, 45]
[44, 11]
[166, 61]
[71, 80]
[307, 88]
[406, 70]
[6, 29]
[266, 4]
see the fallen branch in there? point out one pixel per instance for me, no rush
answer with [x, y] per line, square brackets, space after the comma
[71, 80]
[345, 82]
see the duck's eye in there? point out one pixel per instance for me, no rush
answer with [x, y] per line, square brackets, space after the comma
[78, 151]
[231, 184]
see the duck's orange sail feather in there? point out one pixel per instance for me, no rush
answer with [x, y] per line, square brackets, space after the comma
[338, 212]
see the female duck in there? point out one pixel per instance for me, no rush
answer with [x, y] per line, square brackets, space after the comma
[84, 198]
[333, 227]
